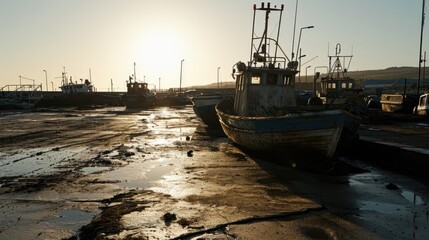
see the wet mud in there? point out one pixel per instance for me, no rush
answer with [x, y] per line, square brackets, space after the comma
[113, 173]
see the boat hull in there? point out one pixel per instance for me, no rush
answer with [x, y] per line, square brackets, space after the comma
[204, 108]
[79, 100]
[140, 101]
[293, 136]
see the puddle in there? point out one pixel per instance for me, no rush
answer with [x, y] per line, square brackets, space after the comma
[386, 208]
[412, 198]
[36, 161]
[72, 217]
[89, 170]
[139, 175]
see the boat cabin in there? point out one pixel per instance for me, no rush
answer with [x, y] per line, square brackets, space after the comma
[137, 88]
[336, 88]
[262, 91]
[77, 87]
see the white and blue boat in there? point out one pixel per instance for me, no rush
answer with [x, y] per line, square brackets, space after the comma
[264, 116]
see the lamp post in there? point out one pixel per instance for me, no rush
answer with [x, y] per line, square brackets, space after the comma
[46, 78]
[299, 60]
[181, 65]
[159, 84]
[299, 39]
[52, 83]
[306, 73]
[218, 77]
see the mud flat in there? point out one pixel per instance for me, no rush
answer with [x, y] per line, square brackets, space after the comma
[159, 174]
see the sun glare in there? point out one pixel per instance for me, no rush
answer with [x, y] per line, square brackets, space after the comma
[159, 49]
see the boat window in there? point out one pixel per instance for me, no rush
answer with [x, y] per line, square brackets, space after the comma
[256, 79]
[272, 79]
[287, 80]
[346, 85]
[332, 85]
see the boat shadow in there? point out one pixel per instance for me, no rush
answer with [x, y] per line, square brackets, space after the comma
[337, 166]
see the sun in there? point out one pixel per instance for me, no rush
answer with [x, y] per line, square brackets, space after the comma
[160, 48]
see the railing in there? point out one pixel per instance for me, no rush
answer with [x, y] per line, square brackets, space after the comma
[22, 92]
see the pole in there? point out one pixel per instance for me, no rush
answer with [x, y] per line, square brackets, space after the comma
[181, 65]
[52, 83]
[299, 59]
[46, 78]
[135, 79]
[306, 73]
[218, 77]
[420, 54]
[111, 84]
[294, 27]
[300, 32]
[159, 84]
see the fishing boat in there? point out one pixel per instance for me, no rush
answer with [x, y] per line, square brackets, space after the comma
[264, 117]
[339, 91]
[74, 94]
[74, 87]
[139, 95]
[204, 108]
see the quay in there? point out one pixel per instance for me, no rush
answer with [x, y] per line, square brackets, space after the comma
[398, 142]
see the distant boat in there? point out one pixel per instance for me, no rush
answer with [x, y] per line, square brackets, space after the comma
[138, 95]
[75, 94]
[264, 116]
[74, 87]
[398, 103]
[423, 105]
[339, 91]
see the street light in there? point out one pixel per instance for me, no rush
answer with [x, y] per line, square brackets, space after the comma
[46, 77]
[159, 85]
[180, 86]
[218, 77]
[299, 60]
[306, 73]
[299, 39]
[52, 85]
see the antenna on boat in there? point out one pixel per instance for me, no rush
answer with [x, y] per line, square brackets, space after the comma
[135, 79]
[420, 54]
[90, 79]
[294, 27]
[261, 53]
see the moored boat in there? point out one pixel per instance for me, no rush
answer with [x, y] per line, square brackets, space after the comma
[423, 105]
[74, 94]
[138, 95]
[339, 91]
[204, 108]
[264, 116]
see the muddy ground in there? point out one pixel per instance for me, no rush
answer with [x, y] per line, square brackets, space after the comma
[112, 173]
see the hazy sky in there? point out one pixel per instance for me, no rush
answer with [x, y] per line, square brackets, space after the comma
[108, 36]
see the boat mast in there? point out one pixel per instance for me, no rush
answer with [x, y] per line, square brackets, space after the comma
[135, 78]
[420, 54]
[262, 47]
